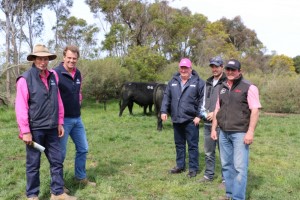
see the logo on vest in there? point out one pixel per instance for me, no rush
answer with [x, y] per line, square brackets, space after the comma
[192, 85]
[223, 91]
[52, 82]
[237, 91]
[77, 81]
[149, 87]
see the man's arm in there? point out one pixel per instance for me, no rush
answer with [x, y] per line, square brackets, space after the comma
[252, 125]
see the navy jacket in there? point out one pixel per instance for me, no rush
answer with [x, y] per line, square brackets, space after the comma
[43, 103]
[69, 91]
[183, 105]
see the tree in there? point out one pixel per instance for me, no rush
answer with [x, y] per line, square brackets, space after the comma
[239, 35]
[297, 64]
[61, 9]
[143, 64]
[77, 32]
[282, 64]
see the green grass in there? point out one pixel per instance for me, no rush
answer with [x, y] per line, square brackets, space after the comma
[129, 159]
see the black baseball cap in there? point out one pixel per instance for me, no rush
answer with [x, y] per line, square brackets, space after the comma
[233, 64]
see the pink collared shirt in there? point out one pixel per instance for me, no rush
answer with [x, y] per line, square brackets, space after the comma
[252, 98]
[21, 105]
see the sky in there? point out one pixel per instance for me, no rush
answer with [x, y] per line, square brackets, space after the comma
[276, 22]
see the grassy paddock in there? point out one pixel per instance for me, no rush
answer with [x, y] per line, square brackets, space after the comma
[129, 159]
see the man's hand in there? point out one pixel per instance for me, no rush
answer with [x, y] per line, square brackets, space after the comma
[213, 134]
[27, 138]
[210, 116]
[61, 130]
[248, 139]
[196, 121]
[164, 117]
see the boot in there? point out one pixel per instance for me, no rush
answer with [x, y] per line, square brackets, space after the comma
[32, 198]
[62, 196]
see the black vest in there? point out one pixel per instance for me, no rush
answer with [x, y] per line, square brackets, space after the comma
[43, 103]
[69, 90]
[234, 113]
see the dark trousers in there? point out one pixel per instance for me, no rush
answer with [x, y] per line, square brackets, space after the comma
[187, 133]
[50, 140]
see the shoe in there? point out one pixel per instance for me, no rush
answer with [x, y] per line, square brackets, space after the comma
[85, 181]
[66, 190]
[62, 196]
[205, 180]
[192, 174]
[224, 198]
[222, 185]
[33, 198]
[176, 170]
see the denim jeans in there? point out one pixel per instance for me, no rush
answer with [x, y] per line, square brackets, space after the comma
[210, 152]
[50, 140]
[187, 132]
[75, 129]
[234, 159]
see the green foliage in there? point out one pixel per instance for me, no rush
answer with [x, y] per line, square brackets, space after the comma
[129, 159]
[77, 32]
[297, 64]
[282, 64]
[102, 79]
[281, 94]
[143, 64]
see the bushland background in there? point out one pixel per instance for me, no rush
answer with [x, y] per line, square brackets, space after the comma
[128, 158]
[143, 41]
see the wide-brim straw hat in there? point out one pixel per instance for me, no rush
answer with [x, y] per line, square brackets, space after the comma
[40, 51]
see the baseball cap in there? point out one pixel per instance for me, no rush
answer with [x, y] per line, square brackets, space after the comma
[185, 62]
[233, 64]
[216, 61]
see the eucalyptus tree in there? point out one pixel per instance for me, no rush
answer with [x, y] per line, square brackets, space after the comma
[77, 32]
[20, 15]
[10, 8]
[61, 9]
[239, 35]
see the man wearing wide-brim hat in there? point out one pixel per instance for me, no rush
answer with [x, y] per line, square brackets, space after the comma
[40, 113]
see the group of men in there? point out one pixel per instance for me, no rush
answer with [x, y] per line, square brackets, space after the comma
[48, 112]
[229, 107]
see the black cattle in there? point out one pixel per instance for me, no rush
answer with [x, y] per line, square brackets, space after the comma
[158, 95]
[136, 92]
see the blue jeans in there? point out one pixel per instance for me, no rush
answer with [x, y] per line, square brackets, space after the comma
[210, 152]
[187, 133]
[75, 129]
[50, 140]
[234, 159]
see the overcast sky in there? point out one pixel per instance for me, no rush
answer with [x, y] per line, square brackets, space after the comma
[276, 22]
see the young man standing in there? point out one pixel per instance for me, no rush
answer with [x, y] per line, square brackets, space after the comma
[212, 88]
[69, 84]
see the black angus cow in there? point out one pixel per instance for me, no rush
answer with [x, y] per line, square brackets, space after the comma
[158, 95]
[136, 92]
